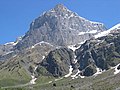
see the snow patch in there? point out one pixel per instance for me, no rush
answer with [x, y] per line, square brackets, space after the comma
[50, 82]
[33, 47]
[101, 34]
[115, 27]
[43, 57]
[72, 15]
[77, 75]
[88, 32]
[72, 47]
[11, 43]
[72, 28]
[116, 70]
[70, 71]
[82, 33]
[14, 56]
[15, 43]
[82, 42]
[75, 60]
[105, 33]
[40, 43]
[32, 81]
[7, 53]
[93, 31]
[58, 79]
[52, 10]
[99, 71]
[81, 76]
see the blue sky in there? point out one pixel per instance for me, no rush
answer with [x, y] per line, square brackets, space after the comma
[16, 15]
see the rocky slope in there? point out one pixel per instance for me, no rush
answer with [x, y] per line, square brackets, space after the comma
[20, 67]
[58, 62]
[93, 57]
[102, 53]
[54, 47]
[53, 29]
[59, 26]
[7, 50]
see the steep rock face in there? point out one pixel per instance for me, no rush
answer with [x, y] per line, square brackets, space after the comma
[89, 70]
[93, 55]
[60, 26]
[103, 52]
[6, 51]
[36, 53]
[58, 61]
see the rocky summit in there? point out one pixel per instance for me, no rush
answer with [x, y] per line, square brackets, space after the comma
[62, 51]
[60, 27]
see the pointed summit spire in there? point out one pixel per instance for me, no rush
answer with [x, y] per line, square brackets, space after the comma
[60, 7]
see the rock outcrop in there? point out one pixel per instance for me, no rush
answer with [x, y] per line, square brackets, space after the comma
[58, 61]
[102, 53]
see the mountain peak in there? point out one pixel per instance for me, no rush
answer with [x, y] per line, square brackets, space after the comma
[59, 26]
[60, 7]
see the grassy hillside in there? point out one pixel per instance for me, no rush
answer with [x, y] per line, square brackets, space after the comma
[105, 81]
